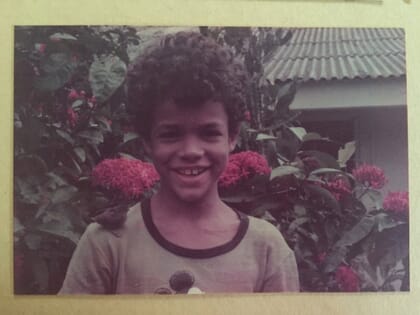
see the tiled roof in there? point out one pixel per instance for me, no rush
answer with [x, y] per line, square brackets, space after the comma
[338, 53]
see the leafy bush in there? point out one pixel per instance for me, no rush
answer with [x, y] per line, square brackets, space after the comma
[69, 115]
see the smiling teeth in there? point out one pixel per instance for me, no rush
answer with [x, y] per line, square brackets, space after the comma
[191, 171]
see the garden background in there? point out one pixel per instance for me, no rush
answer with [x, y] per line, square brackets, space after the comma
[78, 159]
[328, 13]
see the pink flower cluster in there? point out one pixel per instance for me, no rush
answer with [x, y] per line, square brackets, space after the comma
[397, 203]
[243, 165]
[339, 188]
[347, 279]
[126, 179]
[370, 175]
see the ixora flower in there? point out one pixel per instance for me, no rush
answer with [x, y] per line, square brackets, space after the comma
[243, 165]
[73, 95]
[347, 279]
[370, 175]
[397, 203]
[339, 188]
[126, 179]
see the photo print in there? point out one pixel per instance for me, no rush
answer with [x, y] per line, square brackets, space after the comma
[196, 160]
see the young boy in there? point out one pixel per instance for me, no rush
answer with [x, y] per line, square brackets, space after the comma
[190, 95]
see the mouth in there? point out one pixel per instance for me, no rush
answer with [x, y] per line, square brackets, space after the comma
[191, 172]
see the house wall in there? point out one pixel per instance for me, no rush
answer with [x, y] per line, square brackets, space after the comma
[354, 93]
[377, 109]
[382, 137]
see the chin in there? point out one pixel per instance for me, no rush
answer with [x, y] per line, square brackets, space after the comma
[192, 197]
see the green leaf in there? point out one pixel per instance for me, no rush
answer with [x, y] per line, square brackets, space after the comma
[104, 122]
[370, 198]
[325, 160]
[77, 103]
[385, 222]
[298, 131]
[130, 136]
[296, 223]
[239, 198]
[326, 170]
[285, 95]
[335, 258]
[27, 165]
[93, 135]
[17, 226]
[61, 230]
[322, 197]
[358, 232]
[33, 241]
[300, 210]
[80, 153]
[63, 194]
[263, 136]
[63, 36]
[311, 136]
[65, 135]
[284, 170]
[106, 75]
[346, 153]
[58, 69]
[126, 156]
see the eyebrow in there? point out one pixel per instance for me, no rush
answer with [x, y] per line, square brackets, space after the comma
[169, 125]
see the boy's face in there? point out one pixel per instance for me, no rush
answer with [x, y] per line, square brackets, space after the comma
[190, 148]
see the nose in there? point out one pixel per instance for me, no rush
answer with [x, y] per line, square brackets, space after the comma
[191, 148]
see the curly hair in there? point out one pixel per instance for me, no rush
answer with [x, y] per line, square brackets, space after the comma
[189, 69]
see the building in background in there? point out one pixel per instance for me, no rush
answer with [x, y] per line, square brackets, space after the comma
[352, 87]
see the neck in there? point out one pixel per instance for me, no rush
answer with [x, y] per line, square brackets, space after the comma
[173, 207]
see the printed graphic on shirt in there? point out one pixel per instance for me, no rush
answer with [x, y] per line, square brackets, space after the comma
[181, 281]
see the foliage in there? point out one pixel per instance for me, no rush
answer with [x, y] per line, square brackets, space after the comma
[69, 114]
[342, 236]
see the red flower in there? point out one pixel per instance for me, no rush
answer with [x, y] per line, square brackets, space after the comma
[370, 175]
[243, 165]
[347, 279]
[339, 188]
[125, 178]
[397, 203]
[73, 95]
[72, 117]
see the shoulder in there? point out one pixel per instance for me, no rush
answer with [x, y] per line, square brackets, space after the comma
[96, 231]
[262, 229]
[266, 234]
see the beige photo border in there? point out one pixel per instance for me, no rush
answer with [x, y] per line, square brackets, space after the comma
[293, 13]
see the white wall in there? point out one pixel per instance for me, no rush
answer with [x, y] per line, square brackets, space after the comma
[350, 93]
[381, 135]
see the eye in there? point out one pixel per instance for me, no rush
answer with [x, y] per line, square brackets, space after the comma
[211, 133]
[168, 135]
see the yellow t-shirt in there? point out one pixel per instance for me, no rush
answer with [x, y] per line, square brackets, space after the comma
[137, 259]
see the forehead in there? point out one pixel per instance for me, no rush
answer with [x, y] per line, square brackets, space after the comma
[170, 113]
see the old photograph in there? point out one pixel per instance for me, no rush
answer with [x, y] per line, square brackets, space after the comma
[199, 160]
